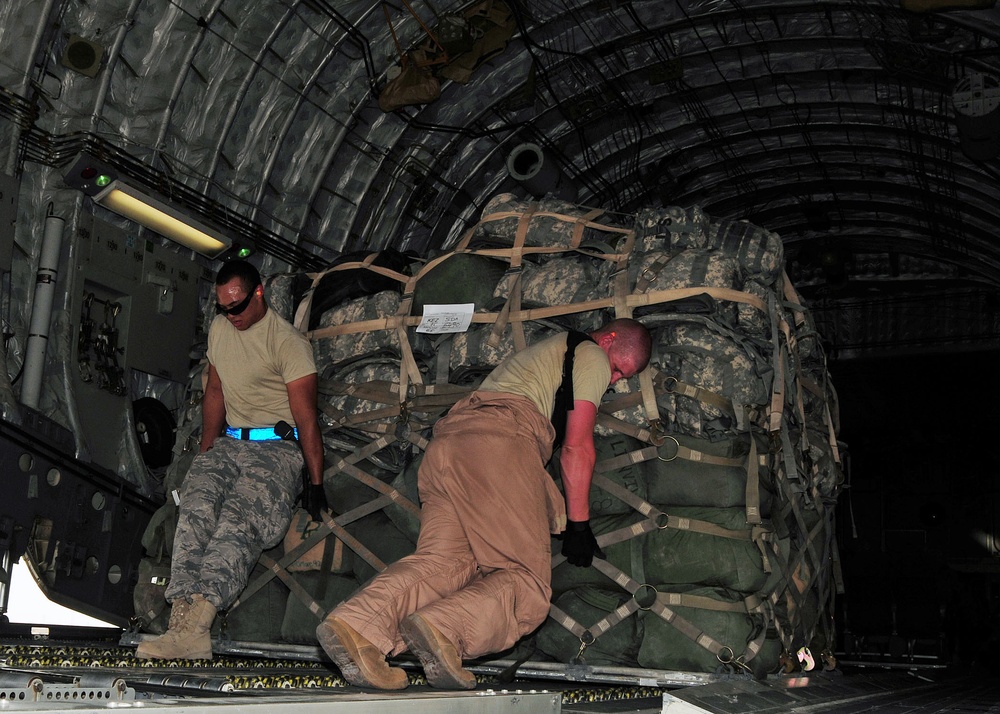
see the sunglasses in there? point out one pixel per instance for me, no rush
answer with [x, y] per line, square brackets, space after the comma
[238, 307]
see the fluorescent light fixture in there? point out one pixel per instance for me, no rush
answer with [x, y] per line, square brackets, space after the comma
[169, 222]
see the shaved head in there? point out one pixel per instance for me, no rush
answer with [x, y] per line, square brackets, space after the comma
[628, 344]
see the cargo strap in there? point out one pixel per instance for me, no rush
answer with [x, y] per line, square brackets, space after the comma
[511, 283]
[346, 465]
[669, 450]
[589, 635]
[541, 313]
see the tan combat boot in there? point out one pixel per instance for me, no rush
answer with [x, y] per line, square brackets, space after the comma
[439, 656]
[188, 635]
[359, 660]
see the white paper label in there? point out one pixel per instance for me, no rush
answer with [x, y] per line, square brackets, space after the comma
[441, 319]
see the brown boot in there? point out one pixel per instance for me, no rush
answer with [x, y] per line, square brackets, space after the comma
[189, 633]
[360, 661]
[439, 656]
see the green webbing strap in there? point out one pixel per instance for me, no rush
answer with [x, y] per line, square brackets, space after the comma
[641, 505]
[368, 480]
[624, 427]
[703, 639]
[442, 350]
[752, 604]
[752, 497]
[671, 449]
[751, 465]
[379, 390]
[589, 635]
[428, 398]
[777, 384]
[672, 385]
[363, 452]
[660, 521]
[796, 508]
[788, 453]
[353, 543]
[648, 275]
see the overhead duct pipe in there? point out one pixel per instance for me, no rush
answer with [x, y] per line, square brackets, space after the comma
[41, 311]
[528, 165]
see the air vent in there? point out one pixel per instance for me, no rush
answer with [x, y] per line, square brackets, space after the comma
[83, 56]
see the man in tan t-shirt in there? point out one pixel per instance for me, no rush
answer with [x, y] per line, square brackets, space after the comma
[237, 498]
[481, 575]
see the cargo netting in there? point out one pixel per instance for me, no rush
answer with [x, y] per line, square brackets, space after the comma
[718, 466]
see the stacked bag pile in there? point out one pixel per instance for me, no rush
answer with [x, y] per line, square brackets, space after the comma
[718, 466]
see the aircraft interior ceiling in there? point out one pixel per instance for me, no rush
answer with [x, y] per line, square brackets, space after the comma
[865, 134]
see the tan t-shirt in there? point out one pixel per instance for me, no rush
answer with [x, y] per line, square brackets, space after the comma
[536, 373]
[255, 365]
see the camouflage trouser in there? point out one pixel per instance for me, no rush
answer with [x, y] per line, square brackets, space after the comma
[236, 501]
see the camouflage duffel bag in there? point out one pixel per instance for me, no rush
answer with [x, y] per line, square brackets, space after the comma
[553, 223]
[671, 228]
[729, 371]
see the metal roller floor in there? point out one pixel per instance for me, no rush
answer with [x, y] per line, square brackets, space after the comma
[51, 676]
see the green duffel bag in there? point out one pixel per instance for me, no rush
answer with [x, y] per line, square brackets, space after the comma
[665, 646]
[299, 623]
[681, 481]
[687, 557]
[676, 556]
[404, 518]
[459, 278]
[377, 533]
[553, 223]
[768, 660]
[671, 226]
[759, 251]
[258, 618]
[588, 605]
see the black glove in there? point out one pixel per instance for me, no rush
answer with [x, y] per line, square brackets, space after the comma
[315, 501]
[579, 544]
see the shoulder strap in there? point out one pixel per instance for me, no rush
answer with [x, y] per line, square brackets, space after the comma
[564, 395]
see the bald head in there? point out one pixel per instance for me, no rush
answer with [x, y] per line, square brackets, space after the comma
[628, 345]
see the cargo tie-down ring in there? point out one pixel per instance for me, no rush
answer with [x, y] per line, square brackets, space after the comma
[677, 448]
[648, 596]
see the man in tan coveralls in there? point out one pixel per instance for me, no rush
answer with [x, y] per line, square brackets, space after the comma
[481, 575]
